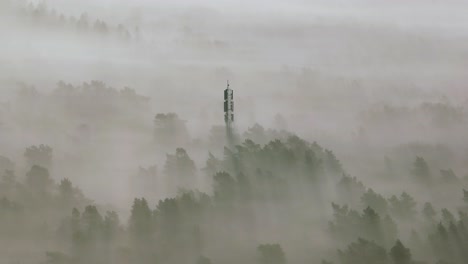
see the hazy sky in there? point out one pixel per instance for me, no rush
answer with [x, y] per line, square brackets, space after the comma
[373, 46]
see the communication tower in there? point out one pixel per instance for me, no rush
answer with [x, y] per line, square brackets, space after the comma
[228, 106]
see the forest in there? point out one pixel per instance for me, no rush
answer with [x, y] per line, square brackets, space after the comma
[349, 145]
[272, 197]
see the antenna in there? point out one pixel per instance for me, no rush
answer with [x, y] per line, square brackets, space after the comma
[228, 105]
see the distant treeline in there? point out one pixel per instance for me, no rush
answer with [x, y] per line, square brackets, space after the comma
[41, 15]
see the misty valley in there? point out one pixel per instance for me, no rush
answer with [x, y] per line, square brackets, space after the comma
[340, 137]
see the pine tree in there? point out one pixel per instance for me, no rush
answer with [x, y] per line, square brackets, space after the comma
[429, 212]
[421, 171]
[400, 254]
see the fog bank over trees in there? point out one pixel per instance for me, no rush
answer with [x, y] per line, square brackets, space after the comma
[349, 144]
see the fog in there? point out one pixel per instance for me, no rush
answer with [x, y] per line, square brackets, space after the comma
[349, 143]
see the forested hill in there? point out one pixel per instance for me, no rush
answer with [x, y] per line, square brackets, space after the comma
[279, 202]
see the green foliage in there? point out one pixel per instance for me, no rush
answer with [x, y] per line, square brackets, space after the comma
[213, 165]
[66, 188]
[88, 236]
[313, 166]
[292, 156]
[350, 189]
[256, 133]
[440, 242]
[450, 240]
[203, 260]
[42, 16]
[68, 195]
[348, 225]
[333, 165]
[271, 254]
[95, 101]
[111, 225]
[180, 167]
[403, 207]
[170, 130]
[38, 178]
[371, 225]
[400, 254]
[375, 201]
[346, 222]
[421, 171]
[180, 228]
[224, 187]
[177, 224]
[39, 155]
[465, 196]
[91, 223]
[363, 252]
[389, 229]
[428, 211]
[447, 216]
[140, 223]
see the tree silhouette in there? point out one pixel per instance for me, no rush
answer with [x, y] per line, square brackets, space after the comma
[364, 252]
[403, 207]
[421, 171]
[203, 260]
[38, 180]
[465, 196]
[375, 201]
[371, 226]
[224, 186]
[170, 130]
[271, 254]
[39, 155]
[180, 168]
[141, 230]
[140, 223]
[428, 211]
[400, 254]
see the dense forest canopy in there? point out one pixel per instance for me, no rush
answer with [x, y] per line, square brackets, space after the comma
[272, 197]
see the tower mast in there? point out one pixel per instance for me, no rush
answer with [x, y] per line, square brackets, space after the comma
[228, 106]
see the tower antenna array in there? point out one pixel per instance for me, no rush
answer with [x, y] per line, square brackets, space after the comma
[228, 105]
